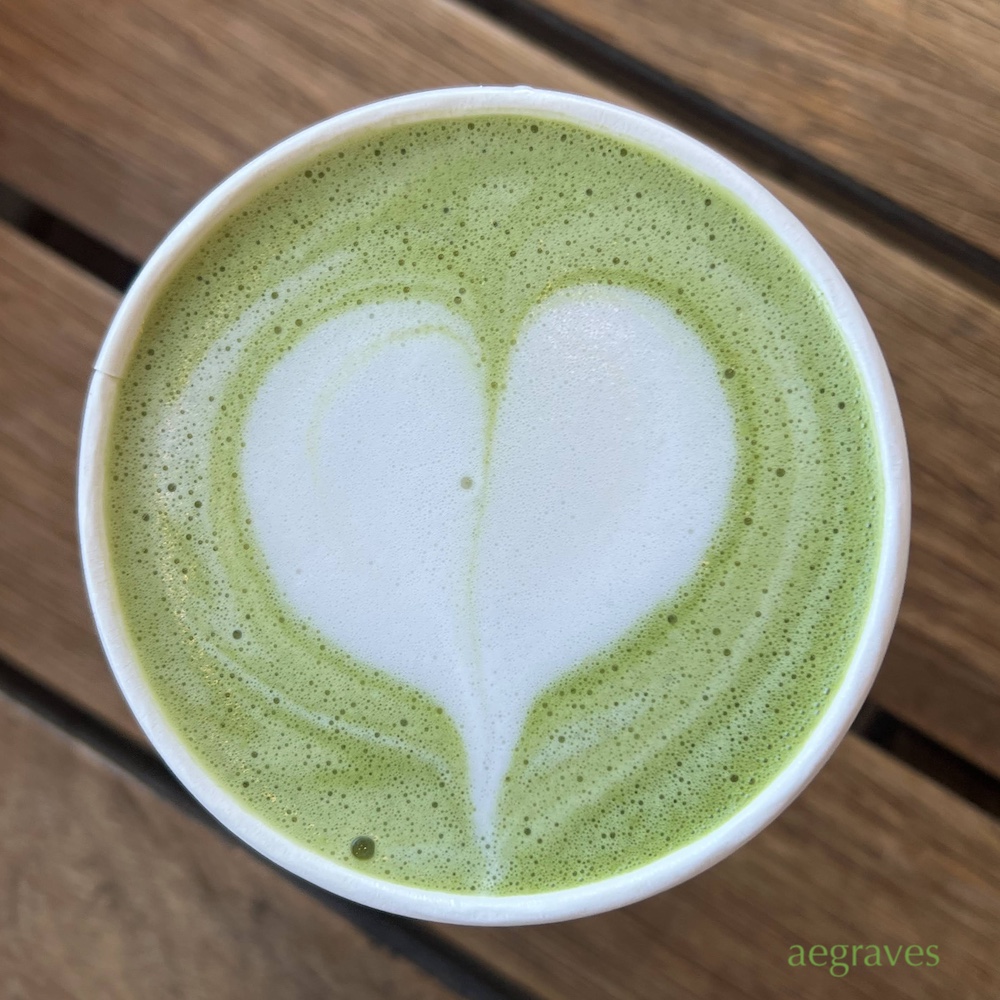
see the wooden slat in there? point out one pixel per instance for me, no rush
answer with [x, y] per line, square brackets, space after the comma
[901, 95]
[52, 317]
[119, 119]
[111, 893]
[870, 854]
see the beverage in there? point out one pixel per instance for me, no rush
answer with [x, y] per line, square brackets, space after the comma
[494, 503]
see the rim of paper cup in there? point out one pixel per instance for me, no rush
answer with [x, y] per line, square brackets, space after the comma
[678, 865]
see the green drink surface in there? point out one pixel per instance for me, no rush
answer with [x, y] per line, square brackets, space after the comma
[651, 741]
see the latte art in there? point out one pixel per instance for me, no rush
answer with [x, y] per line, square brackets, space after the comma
[480, 552]
[493, 504]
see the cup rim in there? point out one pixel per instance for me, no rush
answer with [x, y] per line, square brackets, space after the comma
[678, 865]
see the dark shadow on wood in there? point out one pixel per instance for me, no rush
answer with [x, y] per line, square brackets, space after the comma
[67, 240]
[929, 757]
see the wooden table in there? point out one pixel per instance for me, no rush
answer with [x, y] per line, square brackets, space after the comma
[876, 122]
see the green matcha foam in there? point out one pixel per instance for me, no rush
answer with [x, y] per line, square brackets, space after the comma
[641, 737]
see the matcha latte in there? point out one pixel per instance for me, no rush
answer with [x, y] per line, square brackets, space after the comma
[493, 503]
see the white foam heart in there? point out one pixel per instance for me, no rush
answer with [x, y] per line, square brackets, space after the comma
[479, 564]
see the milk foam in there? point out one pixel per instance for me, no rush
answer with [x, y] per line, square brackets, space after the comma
[441, 248]
[479, 555]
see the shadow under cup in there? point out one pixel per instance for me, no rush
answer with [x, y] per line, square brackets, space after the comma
[531, 907]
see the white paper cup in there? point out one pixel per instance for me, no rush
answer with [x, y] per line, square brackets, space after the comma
[680, 864]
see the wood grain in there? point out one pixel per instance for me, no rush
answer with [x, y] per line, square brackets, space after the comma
[52, 317]
[111, 893]
[119, 118]
[870, 854]
[901, 95]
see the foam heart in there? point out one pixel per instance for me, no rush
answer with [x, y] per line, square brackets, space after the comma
[479, 559]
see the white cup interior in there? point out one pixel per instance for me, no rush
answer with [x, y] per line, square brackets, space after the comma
[609, 893]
